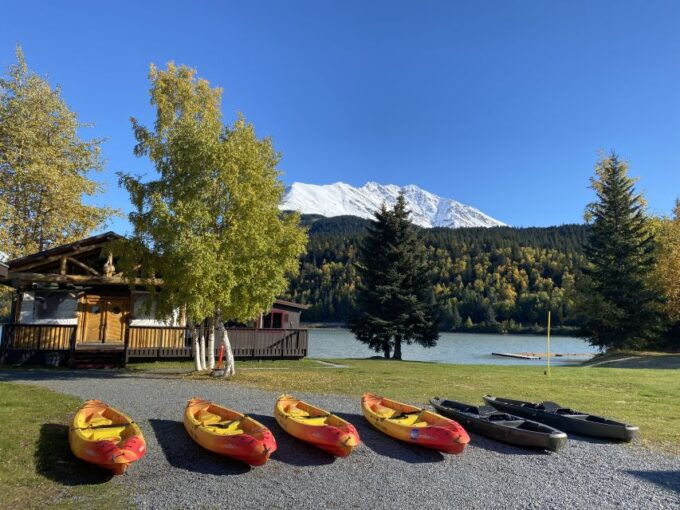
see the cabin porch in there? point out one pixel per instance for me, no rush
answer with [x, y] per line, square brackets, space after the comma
[43, 344]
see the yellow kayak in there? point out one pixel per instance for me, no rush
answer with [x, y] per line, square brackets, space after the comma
[316, 426]
[413, 424]
[227, 432]
[106, 437]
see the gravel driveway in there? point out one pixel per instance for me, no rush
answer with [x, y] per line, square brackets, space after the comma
[381, 473]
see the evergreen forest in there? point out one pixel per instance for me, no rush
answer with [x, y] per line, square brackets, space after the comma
[501, 279]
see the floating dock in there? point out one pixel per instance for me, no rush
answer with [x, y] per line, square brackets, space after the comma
[518, 356]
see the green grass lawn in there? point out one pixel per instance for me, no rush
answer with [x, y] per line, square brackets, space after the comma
[37, 468]
[644, 397]
[182, 366]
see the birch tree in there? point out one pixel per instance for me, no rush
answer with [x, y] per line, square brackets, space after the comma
[44, 167]
[209, 224]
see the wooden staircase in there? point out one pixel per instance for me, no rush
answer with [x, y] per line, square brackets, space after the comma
[102, 357]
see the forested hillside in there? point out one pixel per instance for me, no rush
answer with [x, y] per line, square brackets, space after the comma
[490, 279]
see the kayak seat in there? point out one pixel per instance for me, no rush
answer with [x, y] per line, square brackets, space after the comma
[99, 421]
[500, 417]
[225, 428]
[384, 411]
[296, 412]
[409, 420]
[315, 420]
[104, 433]
[207, 418]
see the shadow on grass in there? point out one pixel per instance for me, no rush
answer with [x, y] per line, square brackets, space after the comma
[385, 445]
[291, 450]
[55, 461]
[666, 479]
[182, 452]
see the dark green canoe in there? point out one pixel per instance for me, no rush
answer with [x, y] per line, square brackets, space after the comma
[568, 420]
[487, 421]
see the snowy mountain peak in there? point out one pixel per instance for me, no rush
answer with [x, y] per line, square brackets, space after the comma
[338, 199]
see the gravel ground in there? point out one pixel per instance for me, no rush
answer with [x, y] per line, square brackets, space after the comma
[381, 473]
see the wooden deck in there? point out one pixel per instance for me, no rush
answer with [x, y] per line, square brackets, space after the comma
[30, 343]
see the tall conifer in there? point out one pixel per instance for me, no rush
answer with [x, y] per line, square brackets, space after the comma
[394, 296]
[618, 304]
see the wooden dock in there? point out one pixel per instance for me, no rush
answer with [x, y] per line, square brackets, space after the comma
[517, 356]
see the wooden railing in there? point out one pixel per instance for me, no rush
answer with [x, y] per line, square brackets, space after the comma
[27, 339]
[268, 343]
[156, 342]
[176, 342]
[46, 337]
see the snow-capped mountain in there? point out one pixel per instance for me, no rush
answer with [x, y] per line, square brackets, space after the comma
[427, 209]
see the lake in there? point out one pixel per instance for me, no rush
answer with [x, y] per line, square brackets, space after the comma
[463, 348]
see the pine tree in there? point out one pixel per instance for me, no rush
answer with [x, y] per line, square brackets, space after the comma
[394, 297]
[619, 307]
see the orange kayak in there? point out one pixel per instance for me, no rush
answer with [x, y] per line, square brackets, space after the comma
[104, 436]
[316, 426]
[413, 424]
[227, 432]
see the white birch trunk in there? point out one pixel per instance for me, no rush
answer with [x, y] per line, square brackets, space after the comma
[202, 348]
[211, 344]
[197, 349]
[229, 365]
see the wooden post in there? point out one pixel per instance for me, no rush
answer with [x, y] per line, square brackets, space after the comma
[4, 340]
[62, 266]
[126, 343]
[72, 346]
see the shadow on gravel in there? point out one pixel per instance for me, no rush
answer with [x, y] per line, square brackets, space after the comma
[385, 445]
[54, 460]
[183, 453]
[575, 438]
[477, 441]
[60, 374]
[291, 450]
[666, 479]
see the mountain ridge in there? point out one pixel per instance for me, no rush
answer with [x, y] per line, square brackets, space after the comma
[341, 199]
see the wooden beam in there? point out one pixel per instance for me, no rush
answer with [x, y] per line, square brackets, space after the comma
[62, 266]
[81, 279]
[82, 265]
[49, 259]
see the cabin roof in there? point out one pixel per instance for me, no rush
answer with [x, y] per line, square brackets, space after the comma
[15, 265]
[63, 249]
[283, 302]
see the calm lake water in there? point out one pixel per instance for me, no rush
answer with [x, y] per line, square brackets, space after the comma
[456, 348]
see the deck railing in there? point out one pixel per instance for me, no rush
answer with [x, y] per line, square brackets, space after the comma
[28, 339]
[21, 340]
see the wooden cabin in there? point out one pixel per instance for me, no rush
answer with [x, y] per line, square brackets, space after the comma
[71, 305]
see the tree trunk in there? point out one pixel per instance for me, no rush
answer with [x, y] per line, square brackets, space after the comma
[397, 348]
[197, 349]
[202, 347]
[211, 344]
[229, 365]
[386, 349]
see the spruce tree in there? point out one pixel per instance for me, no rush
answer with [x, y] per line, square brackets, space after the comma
[619, 306]
[394, 297]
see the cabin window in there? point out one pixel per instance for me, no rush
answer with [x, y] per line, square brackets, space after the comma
[55, 305]
[143, 308]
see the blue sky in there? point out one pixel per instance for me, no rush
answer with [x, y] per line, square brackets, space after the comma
[502, 105]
